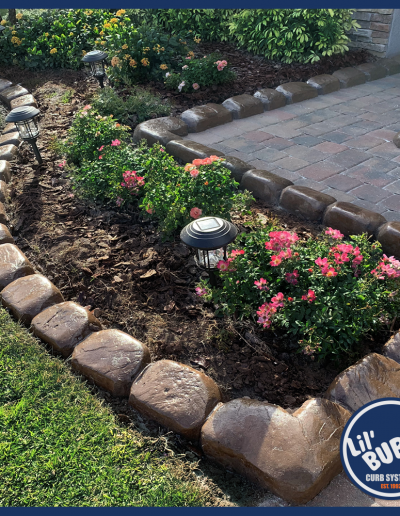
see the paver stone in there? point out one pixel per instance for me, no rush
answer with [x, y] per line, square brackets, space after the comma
[13, 264]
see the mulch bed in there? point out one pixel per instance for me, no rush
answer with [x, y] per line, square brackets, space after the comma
[115, 263]
[255, 72]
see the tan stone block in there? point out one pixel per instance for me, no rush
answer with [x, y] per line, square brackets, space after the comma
[306, 202]
[200, 118]
[111, 359]
[353, 220]
[28, 296]
[10, 139]
[24, 100]
[293, 455]
[5, 171]
[264, 185]
[13, 264]
[65, 325]
[242, 106]
[5, 235]
[175, 395]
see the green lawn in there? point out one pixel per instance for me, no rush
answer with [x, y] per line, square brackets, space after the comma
[60, 446]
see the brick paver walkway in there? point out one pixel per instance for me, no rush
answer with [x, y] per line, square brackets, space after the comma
[340, 144]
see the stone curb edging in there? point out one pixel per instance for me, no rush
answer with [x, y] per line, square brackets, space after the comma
[304, 202]
[178, 396]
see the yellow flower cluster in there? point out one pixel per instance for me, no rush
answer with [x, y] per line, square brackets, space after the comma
[114, 20]
[145, 62]
[14, 32]
[84, 52]
[196, 40]
[182, 42]
[146, 49]
[71, 33]
[164, 67]
[121, 12]
[46, 34]
[103, 42]
[102, 33]
[107, 25]
[53, 51]
[158, 49]
[126, 57]
[15, 40]
[115, 61]
[132, 63]
[3, 22]
[191, 54]
[19, 16]
[125, 46]
[88, 13]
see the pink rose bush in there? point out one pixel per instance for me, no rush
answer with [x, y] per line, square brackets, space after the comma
[325, 292]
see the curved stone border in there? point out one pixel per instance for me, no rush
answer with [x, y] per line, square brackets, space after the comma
[280, 452]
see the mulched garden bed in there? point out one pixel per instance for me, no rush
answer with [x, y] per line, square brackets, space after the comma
[116, 263]
[253, 72]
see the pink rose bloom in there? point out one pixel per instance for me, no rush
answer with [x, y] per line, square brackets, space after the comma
[87, 107]
[222, 265]
[195, 212]
[101, 148]
[100, 157]
[185, 67]
[149, 210]
[201, 291]
[115, 143]
[195, 86]
[194, 172]
[62, 164]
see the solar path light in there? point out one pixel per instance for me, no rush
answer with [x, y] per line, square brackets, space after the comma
[209, 237]
[96, 60]
[24, 119]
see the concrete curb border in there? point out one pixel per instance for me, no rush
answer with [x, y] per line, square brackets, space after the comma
[40, 308]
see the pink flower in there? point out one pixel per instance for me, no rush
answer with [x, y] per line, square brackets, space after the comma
[115, 143]
[101, 148]
[194, 173]
[310, 296]
[201, 291]
[100, 157]
[322, 262]
[223, 265]
[329, 272]
[261, 284]
[62, 164]
[195, 86]
[195, 212]
[334, 233]
[185, 67]
[149, 210]
[236, 252]
[291, 277]
[87, 107]
[275, 261]
[345, 248]
[161, 149]
[119, 201]
[277, 301]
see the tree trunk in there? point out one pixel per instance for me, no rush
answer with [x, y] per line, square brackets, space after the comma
[12, 16]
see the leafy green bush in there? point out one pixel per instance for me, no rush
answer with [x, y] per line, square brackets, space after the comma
[197, 73]
[208, 24]
[140, 54]
[287, 35]
[137, 105]
[107, 177]
[53, 38]
[325, 292]
[177, 195]
[89, 131]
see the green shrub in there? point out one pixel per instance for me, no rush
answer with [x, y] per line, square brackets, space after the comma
[208, 24]
[140, 54]
[177, 195]
[89, 131]
[103, 178]
[325, 292]
[53, 38]
[198, 73]
[137, 105]
[289, 35]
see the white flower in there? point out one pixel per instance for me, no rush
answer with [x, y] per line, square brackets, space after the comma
[182, 84]
[185, 67]
[167, 74]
